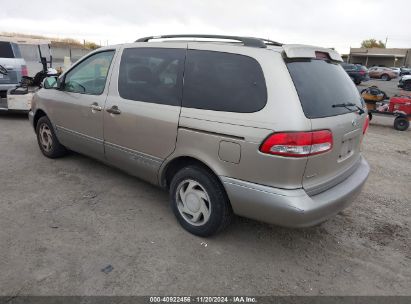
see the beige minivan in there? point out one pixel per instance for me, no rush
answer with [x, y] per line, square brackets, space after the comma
[228, 125]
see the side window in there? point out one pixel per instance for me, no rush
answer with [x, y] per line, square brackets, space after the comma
[223, 82]
[152, 75]
[89, 77]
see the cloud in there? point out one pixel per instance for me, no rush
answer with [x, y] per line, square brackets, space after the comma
[332, 23]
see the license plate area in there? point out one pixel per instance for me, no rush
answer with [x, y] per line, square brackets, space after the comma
[349, 145]
[4, 77]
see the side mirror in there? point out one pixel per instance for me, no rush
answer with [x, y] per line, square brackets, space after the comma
[50, 83]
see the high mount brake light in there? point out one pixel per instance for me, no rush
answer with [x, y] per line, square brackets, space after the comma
[298, 144]
[322, 55]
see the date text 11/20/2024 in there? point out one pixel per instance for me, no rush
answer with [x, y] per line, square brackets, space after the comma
[194, 299]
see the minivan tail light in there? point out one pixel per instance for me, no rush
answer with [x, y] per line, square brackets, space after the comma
[298, 144]
[24, 71]
[322, 56]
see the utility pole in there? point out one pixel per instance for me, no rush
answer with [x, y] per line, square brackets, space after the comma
[386, 40]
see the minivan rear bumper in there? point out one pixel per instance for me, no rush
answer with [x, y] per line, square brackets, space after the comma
[293, 208]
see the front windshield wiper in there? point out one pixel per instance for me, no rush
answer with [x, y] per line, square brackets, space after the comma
[347, 105]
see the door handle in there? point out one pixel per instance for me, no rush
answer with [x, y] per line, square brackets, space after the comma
[114, 110]
[95, 107]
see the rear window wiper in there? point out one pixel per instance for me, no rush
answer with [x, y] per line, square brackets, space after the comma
[347, 105]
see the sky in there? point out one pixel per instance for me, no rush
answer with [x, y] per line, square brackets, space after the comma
[329, 23]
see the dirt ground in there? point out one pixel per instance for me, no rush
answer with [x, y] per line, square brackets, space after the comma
[389, 87]
[64, 221]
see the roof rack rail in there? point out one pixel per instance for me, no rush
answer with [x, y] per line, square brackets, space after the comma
[247, 41]
[271, 42]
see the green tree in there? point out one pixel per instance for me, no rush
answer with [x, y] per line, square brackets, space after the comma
[372, 43]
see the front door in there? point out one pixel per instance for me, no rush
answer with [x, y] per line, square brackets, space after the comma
[78, 109]
[143, 108]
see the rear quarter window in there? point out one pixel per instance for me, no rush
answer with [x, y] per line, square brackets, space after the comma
[223, 82]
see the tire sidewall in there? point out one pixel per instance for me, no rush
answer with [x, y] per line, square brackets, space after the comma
[218, 199]
[399, 127]
[385, 77]
[55, 151]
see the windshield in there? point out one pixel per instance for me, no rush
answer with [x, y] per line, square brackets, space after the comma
[321, 84]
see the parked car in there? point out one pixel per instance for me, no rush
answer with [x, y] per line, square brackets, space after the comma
[358, 73]
[12, 67]
[19, 98]
[405, 71]
[382, 73]
[405, 82]
[32, 50]
[223, 141]
[401, 71]
[396, 70]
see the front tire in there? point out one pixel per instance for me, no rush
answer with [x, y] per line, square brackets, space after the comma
[199, 201]
[47, 139]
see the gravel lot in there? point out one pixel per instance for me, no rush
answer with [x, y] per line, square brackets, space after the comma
[63, 221]
[389, 87]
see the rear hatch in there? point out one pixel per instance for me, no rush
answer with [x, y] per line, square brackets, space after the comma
[321, 84]
[13, 67]
[10, 59]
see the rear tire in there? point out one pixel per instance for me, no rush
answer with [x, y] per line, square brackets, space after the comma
[47, 139]
[199, 201]
[407, 86]
[385, 77]
[401, 123]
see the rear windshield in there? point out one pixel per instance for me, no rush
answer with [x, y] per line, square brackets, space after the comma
[320, 84]
[6, 50]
